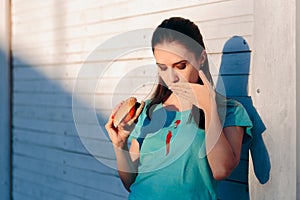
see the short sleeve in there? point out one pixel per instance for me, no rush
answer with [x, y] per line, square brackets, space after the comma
[236, 115]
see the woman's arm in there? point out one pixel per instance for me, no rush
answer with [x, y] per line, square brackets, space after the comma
[223, 145]
[127, 160]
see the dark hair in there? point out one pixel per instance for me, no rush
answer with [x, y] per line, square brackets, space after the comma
[186, 33]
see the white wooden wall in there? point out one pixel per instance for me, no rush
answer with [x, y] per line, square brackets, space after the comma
[51, 41]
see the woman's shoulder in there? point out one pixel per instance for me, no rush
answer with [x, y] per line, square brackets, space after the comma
[232, 112]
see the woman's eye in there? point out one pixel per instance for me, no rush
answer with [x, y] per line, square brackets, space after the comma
[162, 67]
[181, 65]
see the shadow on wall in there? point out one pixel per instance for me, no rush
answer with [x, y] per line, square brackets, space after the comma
[234, 71]
[49, 159]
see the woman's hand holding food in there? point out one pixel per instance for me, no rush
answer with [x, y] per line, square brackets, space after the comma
[122, 121]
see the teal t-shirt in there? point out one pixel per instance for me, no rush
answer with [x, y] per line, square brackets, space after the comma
[173, 162]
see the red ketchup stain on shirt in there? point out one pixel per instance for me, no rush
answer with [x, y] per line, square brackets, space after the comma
[169, 136]
[168, 139]
[177, 123]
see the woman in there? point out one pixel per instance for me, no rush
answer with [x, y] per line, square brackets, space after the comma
[187, 137]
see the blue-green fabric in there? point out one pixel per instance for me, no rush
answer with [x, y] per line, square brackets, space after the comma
[183, 172]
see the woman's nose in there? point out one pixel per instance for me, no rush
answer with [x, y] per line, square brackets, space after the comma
[173, 76]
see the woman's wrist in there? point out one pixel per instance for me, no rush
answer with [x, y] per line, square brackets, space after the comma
[121, 145]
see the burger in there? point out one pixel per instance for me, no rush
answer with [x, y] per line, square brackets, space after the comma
[128, 110]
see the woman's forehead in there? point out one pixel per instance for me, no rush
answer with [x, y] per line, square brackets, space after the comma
[172, 52]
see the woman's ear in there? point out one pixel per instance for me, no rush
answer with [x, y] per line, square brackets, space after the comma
[203, 57]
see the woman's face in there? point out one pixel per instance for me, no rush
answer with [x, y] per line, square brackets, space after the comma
[176, 63]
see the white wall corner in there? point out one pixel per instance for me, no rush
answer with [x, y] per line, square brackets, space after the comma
[274, 74]
[298, 93]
